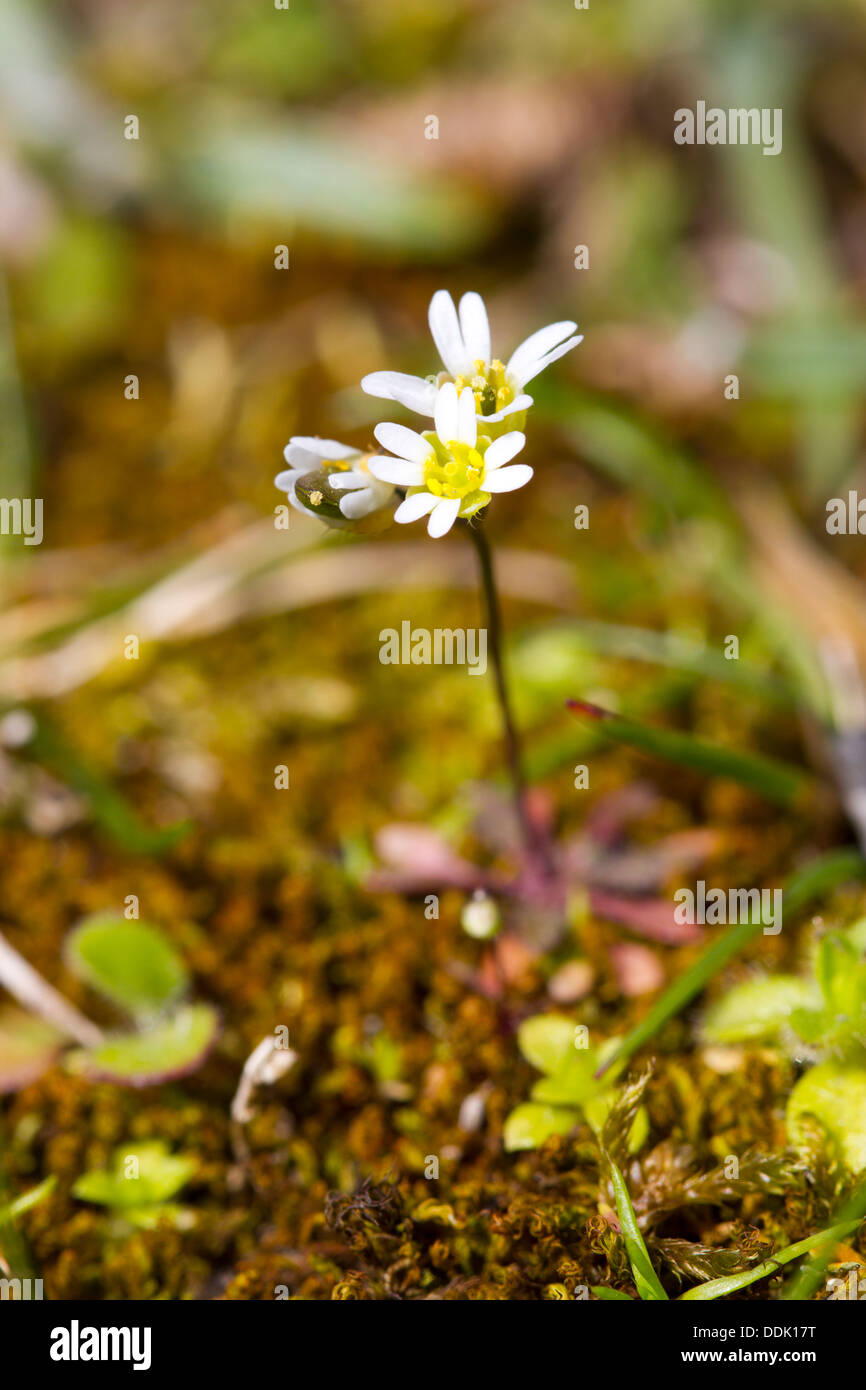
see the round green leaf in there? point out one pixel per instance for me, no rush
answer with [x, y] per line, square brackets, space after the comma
[173, 1047]
[529, 1125]
[758, 1008]
[130, 963]
[546, 1040]
[835, 1093]
[573, 1083]
[156, 1176]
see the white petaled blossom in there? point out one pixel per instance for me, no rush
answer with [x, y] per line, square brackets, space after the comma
[331, 481]
[463, 340]
[450, 471]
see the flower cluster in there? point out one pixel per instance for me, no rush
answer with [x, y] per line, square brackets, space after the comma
[477, 406]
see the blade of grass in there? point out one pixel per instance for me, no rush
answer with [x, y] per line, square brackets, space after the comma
[807, 1280]
[777, 781]
[799, 889]
[661, 648]
[27, 1200]
[111, 811]
[645, 1278]
[719, 1288]
[13, 1246]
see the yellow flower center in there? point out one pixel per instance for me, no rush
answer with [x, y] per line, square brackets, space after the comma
[489, 386]
[454, 472]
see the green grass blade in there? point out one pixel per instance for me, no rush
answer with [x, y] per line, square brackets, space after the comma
[110, 809]
[777, 781]
[719, 1288]
[645, 1278]
[807, 1280]
[27, 1200]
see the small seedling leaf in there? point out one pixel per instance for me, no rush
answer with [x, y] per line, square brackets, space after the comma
[173, 1047]
[529, 1125]
[130, 963]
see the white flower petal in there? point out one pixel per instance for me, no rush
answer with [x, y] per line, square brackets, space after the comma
[467, 429]
[551, 356]
[285, 481]
[320, 448]
[360, 503]
[400, 472]
[503, 449]
[303, 460]
[403, 442]
[475, 327]
[519, 403]
[447, 415]
[534, 347]
[443, 517]
[507, 479]
[416, 506]
[354, 478]
[412, 391]
[445, 327]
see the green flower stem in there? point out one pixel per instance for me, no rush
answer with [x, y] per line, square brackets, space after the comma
[535, 843]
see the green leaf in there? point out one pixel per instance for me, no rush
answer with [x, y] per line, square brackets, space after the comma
[646, 1280]
[130, 963]
[547, 1041]
[771, 778]
[173, 1047]
[610, 1295]
[27, 1200]
[141, 1175]
[842, 977]
[573, 1084]
[757, 1008]
[109, 808]
[719, 1288]
[856, 934]
[528, 1125]
[806, 1282]
[835, 1093]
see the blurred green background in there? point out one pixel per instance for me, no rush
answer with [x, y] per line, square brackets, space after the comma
[305, 127]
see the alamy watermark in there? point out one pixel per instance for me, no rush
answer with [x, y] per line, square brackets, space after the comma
[718, 906]
[846, 516]
[739, 125]
[439, 646]
[20, 1290]
[22, 516]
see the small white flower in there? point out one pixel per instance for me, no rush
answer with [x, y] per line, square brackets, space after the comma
[452, 471]
[340, 468]
[463, 340]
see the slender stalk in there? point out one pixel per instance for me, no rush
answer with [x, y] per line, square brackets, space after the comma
[28, 987]
[534, 841]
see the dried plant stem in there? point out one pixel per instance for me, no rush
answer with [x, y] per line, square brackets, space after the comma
[534, 841]
[28, 987]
